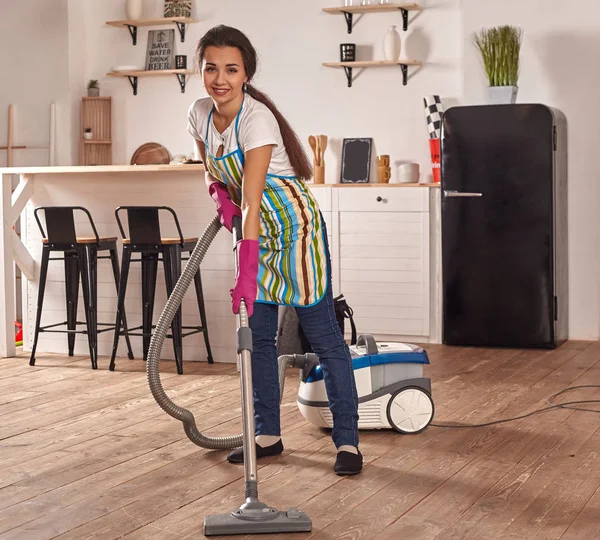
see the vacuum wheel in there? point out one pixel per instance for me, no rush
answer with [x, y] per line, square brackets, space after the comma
[410, 410]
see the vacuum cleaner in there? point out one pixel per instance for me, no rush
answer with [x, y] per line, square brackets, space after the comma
[392, 392]
[389, 377]
[252, 516]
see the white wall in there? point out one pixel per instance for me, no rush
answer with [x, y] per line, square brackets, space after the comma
[292, 42]
[560, 68]
[34, 37]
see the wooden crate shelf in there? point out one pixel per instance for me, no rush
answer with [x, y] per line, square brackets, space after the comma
[96, 113]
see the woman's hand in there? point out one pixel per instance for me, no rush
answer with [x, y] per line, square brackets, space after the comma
[226, 208]
[256, 167]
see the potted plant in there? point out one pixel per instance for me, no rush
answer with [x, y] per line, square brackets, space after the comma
[87, 134]
[500, 49]
[93, 88]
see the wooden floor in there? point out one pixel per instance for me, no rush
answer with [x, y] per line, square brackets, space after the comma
[89, 455]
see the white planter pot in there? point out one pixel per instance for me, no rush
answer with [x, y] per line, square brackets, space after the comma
[499, 95]
[391, 44]
[134, 9]
[88, 136]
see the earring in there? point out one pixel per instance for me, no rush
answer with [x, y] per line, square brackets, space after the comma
[245, 88]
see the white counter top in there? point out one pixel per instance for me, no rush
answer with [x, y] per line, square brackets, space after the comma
[102, 169]
[112, 169]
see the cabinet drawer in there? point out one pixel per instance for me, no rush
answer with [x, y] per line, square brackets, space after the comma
[384, 199]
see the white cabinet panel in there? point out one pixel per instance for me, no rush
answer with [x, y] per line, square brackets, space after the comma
[384, 264]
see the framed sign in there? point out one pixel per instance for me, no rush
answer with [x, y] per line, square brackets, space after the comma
[160, 53]
[356, 161]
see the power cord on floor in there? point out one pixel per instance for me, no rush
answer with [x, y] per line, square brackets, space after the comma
[567, 405]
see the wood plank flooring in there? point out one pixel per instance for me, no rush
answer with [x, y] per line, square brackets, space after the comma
[89, 455]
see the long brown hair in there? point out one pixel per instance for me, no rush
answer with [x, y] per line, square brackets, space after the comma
[226, 36]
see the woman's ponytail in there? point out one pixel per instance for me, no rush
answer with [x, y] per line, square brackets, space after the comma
[293, 146]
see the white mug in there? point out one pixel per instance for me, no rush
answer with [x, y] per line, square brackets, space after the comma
[408, 173]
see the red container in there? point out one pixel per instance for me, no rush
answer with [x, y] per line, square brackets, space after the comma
[434, 148]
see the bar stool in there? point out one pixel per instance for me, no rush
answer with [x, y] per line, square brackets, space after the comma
[145, 238]
[81, 257]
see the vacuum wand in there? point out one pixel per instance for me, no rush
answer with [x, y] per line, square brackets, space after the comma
[253, 516]
[244, 350]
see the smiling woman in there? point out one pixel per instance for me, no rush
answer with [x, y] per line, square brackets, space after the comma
[256, 168]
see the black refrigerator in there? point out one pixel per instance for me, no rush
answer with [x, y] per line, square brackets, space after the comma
[504, 226]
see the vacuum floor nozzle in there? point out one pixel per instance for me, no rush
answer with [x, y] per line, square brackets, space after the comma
[265, 521]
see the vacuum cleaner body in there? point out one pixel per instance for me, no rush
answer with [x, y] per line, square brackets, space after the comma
[392, 392]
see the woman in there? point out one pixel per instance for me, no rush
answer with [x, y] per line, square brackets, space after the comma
[255, 169]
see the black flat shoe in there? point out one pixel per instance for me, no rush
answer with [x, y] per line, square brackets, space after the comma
[348, 463]
[237, 455]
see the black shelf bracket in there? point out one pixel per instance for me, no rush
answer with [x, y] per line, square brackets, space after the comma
[348, 20]
[181, 28]
[404, 69]
[134, 83]
[133, 32]
[181, 78]
[404, 19]
[348, 71]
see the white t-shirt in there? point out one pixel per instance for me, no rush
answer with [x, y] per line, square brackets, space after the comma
[257, 127]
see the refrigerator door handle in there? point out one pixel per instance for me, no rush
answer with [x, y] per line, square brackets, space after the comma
[454, 193]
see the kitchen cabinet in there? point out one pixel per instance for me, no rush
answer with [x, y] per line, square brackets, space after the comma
[383, 250]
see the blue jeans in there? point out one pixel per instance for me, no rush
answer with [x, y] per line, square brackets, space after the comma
[323, 332]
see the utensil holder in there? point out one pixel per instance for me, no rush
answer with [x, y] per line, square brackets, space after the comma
[319, 174]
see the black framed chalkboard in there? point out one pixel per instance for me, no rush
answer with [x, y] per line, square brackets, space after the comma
[356, 161]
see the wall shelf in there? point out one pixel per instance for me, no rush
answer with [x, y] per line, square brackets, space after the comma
[348, 66]
[133, 76]
[86, 141]
[349, 11]
[132, 25]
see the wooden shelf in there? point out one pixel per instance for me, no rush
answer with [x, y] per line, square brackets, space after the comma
[133, 76]
[348, 66]
[96, 114]
[349, 11]
[132, 25]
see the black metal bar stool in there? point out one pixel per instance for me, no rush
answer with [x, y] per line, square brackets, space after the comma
[81, 257]
[145, 238]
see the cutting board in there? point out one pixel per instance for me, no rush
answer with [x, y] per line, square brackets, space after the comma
[151, 154]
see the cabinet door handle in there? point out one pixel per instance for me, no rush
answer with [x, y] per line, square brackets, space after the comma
[454, 193]
[380, 199]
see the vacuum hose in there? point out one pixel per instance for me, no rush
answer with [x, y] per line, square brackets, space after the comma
[158, 338]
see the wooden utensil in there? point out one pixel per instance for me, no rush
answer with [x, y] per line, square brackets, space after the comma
[323, 145]
[313, 144]
[151, 154]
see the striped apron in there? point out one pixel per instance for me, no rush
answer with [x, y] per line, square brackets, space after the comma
[292, 254]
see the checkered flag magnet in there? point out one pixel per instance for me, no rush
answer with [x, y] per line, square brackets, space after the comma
[433, 114]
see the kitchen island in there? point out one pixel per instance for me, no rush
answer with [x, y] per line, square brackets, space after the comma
[353, 219]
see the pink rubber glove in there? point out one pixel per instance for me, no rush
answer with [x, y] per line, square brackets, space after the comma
[246, 275]
[226, 209]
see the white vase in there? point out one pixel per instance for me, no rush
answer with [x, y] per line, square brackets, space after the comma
[134, 9]
[391, 44]
[500, 95]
